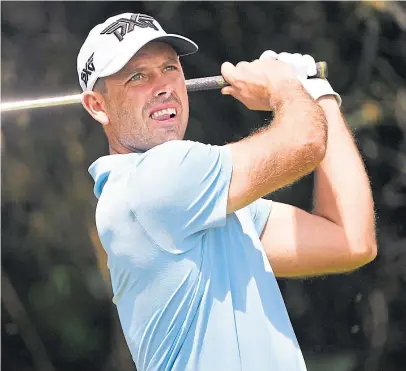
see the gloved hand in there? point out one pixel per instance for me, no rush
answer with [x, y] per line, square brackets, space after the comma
[305, 66]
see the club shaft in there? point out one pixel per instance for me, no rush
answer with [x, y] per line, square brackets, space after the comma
[192, 85]
[41, 102]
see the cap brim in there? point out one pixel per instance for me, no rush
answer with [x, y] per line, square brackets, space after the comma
[182, 45]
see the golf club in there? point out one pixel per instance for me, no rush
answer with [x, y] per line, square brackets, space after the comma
[192, 85]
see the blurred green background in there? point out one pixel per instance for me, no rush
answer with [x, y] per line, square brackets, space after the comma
[56, 304]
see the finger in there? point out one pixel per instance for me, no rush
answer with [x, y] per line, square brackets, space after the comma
[296, 62]
[299, 63]
[241, 64]
[267, 54]
[310, 64]
[228, 71]
[228, 90]
[286, 57]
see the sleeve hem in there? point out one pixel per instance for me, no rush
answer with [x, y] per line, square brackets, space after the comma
[228, 162]
[264, 216]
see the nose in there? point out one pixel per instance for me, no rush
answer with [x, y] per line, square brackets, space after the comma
[163, 86]
[163, 90]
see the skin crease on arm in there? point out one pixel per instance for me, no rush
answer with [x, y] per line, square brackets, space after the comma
[339, 235]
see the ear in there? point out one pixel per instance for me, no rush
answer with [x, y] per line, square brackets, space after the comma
[95, 104]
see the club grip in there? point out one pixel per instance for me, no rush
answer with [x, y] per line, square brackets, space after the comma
[322, 71]
[218, 82]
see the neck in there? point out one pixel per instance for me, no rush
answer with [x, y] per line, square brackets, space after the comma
[121, 150]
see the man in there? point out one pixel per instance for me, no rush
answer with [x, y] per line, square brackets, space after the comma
[193, 247]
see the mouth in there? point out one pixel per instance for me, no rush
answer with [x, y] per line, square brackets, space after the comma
[164, 114]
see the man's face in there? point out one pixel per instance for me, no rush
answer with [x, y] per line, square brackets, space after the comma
[147, 102]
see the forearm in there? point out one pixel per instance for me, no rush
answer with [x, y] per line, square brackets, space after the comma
[295, 142]
[342, 191]
[283, 152]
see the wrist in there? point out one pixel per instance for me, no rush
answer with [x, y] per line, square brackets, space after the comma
[329, 103]
[289, 92]
[319, 88]
[332, 111]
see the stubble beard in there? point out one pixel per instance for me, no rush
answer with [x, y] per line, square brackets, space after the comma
[142, 136]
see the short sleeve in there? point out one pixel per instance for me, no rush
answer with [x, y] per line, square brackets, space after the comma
[260, 210]
[178, 190]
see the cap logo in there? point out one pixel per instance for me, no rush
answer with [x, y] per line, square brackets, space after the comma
[122, 26]
[87, 71]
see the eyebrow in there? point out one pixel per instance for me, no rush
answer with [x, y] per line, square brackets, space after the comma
[130, 69]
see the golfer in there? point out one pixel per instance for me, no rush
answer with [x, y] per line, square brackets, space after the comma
[193, 247]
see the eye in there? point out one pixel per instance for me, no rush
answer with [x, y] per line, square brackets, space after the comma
[137, 76]
[171, 68]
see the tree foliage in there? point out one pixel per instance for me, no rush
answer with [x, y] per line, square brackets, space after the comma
[56, 298]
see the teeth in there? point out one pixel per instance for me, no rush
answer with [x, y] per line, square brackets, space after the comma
[166, 111]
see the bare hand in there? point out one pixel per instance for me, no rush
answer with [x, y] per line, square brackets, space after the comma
[256, 83]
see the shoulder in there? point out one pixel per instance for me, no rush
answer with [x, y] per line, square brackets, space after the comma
[177, 174]
[176, 159]
[180, 149]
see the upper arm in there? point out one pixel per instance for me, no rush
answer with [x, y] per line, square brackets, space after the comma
[179, 190]
[298, 243]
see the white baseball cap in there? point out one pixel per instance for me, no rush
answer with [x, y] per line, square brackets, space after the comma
[110, 45]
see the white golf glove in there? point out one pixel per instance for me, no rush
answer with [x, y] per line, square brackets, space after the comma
[305, 66]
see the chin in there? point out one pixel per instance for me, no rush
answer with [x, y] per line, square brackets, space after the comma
[164, 139]
[172, 136]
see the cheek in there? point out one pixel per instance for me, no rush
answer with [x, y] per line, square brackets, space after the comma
[134, 104]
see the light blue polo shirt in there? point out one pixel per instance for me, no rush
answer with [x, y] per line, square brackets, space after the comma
[192, 285]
